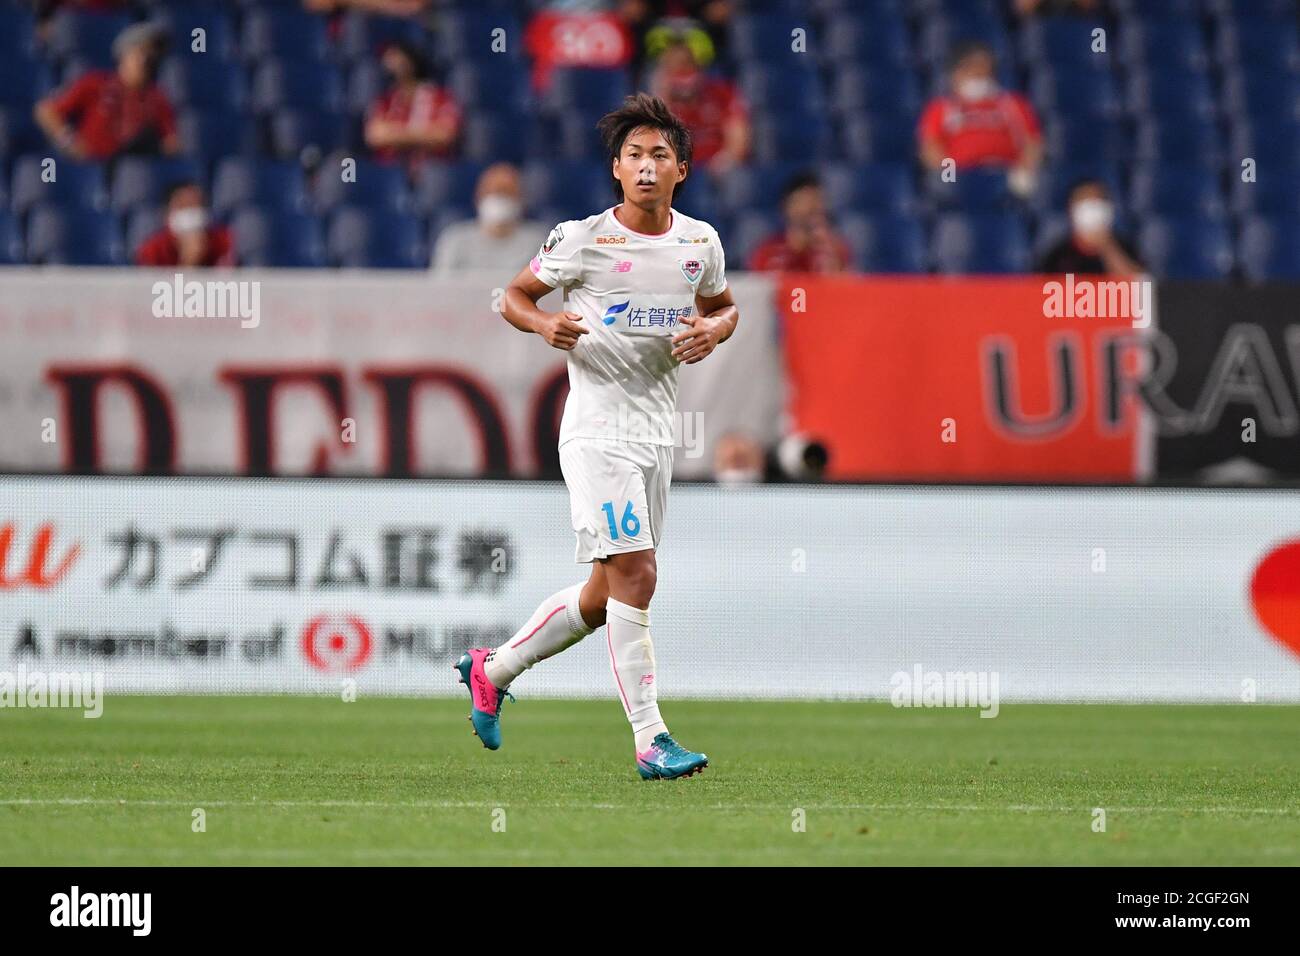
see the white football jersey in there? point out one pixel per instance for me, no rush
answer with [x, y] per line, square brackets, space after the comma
[631, 291]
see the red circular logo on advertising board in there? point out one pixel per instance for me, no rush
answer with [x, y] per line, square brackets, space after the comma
[1275, 593]
[336, 643]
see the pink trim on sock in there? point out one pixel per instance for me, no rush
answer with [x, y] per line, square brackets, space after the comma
[609, 630]
[539, 626]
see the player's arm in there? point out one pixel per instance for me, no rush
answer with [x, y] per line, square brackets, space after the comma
[715, 320]
[560, 329]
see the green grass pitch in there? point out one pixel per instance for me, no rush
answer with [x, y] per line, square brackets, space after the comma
[396, 781]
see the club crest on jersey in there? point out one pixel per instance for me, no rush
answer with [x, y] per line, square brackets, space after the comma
[692, 269]
[552, 240]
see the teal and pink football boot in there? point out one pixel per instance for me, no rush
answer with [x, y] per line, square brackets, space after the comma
[666, 759]
[485, 697]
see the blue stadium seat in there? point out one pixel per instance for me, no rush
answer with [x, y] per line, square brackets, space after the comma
[17, 34]
[277, 238]
[379, 186]
[1085, 140]
[756, 187]
[286, 32]
[974, 190]
[785, 91]
[497, 137]
[364, 85]
[792, 136]
[203, 82]
[866, 90]
[990, 243]
[270, 184]
[770, 38]
[23, 81]
[1164, 45]
[294, 84]
[1170, 95]
[576, 136]
[12, 252]
[1183, 142]
[1055, 180]
[1185, 248]
[74, 184]
[471, 33]
[873, 187]
[209, 135]
[749, 230]
[90, 36]
[1063, 41]
[1252, 9]
[1261, 96]
[1157, 9]
[698, 198]
[879, 40]
[68, 236]
[588, 90]
[368, 238]
[1177, 190]
[939, 35]
[878, 139]
[1269, 248]
[1272, 46]
[140, 225]
[182, 19]
[144, 181]
[571, 185]
[494, 86]
[884, 243]
[447, 185]
[1090, 97]
[19, 132]
[362, 36]
[1273, 190]
[298, 134]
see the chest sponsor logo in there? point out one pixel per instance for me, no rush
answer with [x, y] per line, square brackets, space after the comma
[614, 311]
[692, 241]
[692, 269]
[611, 240]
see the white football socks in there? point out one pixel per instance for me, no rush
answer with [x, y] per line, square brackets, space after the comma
[555, 625]
[632, 659]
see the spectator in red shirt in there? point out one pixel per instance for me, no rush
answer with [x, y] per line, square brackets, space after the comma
[712, 108]
[979, 124]
[188, 238]
[809, 243]
[415, 119]
[107, 113]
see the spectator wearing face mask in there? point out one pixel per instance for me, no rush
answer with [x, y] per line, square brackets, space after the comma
[188, 238]
[1091, 248]
[738, 460]
[712, 108]
[980, 124]
[499, 235]
[808, 242]
[415, 119]
[107, 113]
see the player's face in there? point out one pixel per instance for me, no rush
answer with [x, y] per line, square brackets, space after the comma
[647, 168]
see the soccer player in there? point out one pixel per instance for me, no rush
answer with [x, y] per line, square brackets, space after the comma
[645, 291]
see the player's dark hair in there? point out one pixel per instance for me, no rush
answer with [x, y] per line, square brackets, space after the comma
[643, 111]
[964, 49]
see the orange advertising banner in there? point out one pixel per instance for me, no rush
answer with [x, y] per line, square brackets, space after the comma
[977, 379]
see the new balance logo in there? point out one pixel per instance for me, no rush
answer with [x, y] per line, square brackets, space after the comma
[623, 265]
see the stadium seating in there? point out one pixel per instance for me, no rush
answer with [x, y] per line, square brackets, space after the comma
[1185, 92]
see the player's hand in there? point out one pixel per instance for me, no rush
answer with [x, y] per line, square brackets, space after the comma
[702, 337]
[560, 329]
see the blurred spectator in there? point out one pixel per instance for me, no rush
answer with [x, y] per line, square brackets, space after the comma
[108, 113]
[499, 237]
[738, 460]
[979, 124]
[188, 238]
[702, 24]
[808, 243]
[584, 33]
[1091, 247]
[713, 108]
[385, 8]
[415, 119]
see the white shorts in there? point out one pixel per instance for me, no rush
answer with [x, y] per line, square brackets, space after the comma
[618, 494]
